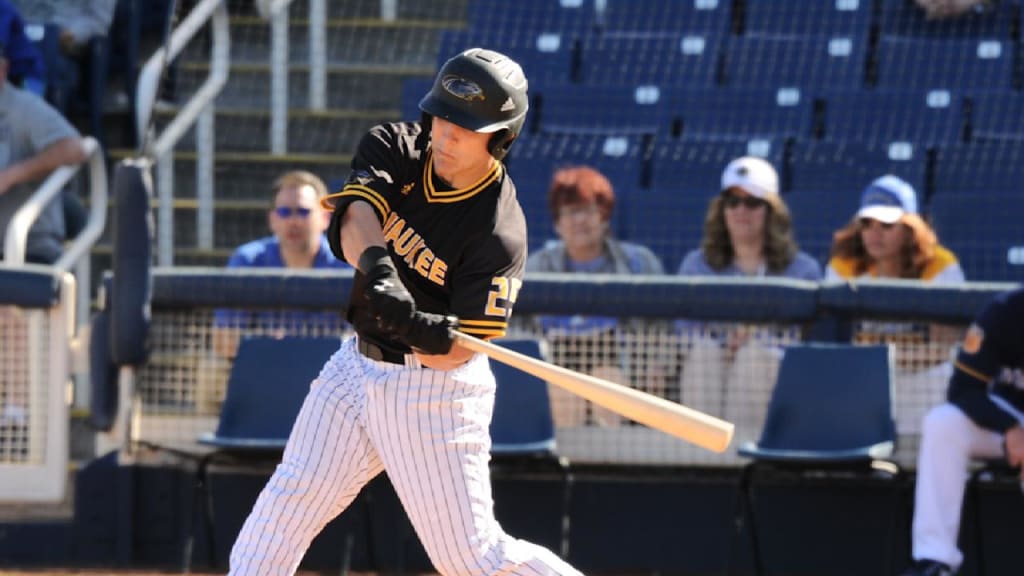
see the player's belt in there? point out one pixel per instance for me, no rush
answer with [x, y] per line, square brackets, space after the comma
[374, 352]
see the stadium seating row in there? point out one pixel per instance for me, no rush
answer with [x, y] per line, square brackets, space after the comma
[828, 17]
[970, 191]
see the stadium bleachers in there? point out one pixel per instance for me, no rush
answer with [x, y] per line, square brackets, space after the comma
[656, 16]
[672, 59]
[928, 64]
[850, 18]
[737, 113]
[988, 20]
[620, 109]
[997, 116]
[919, 118]
[810, 62]
[984, 231]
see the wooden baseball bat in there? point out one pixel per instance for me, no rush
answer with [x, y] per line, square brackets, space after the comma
[691, 425]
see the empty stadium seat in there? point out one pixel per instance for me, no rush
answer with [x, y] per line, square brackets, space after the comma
[669, 221]
[569, 17]
[984, 231]
[573, 108]
[680, 59]
[997, 116]
[831, 18]
[694, 167]
[544, 56]
[734, 113]
[644, 16]
[905, 18]
[532, 161]
[961, 65]
[809, 62]
[413, 90]
[817, 215]
[848, 167]
[923, 118]
[979, 168]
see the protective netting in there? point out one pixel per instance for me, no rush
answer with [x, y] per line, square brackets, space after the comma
[24, 385]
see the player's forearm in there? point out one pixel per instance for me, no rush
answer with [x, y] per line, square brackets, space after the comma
[360, 229]
[453, 359]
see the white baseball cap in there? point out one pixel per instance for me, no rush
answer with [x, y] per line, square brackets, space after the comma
[887, 199]
[753, 175]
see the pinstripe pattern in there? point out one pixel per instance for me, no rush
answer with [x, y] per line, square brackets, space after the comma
[429, 429]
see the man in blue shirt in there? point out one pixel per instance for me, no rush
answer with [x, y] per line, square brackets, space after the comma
[298, 223]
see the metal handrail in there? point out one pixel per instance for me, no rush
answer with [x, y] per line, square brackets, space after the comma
[198, 108]
[16, 237]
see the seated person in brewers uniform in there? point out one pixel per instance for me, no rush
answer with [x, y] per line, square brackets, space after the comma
[582, 201]
[888, 239]
[983, 417]
[729, 369]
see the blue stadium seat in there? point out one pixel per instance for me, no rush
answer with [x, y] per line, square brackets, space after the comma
[809, 62]
[848, 167]
[669, 221]
[997, 116]
[920, 117]
[832, 18]
[522, 423]
[568, 17]
[738, 113]
[413, 90]
[621, 109]
[545, 57]
[680, 59]
[979, 168]
[694, 167]
[961, 65]
[816, 217]
[532, 161]
[644, 16]
[984, 231]
[904, 18]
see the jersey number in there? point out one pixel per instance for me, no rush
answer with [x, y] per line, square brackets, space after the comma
[503, 294]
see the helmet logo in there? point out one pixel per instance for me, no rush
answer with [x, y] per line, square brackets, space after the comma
[462, 88]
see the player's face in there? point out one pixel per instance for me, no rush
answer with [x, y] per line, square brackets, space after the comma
[581, 227]
[460, 156]
[883, 242]
[745, 216]
[297, 219]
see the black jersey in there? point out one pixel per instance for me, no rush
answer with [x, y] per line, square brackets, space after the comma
[992, 353]
[459, 252]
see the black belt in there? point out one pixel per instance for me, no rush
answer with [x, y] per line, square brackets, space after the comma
[374, 352]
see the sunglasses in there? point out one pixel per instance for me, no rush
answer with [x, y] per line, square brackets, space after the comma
[868, 222]
[751, 203]
[288, 211]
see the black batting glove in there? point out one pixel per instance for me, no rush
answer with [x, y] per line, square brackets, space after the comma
[390, 302]
[429, 333]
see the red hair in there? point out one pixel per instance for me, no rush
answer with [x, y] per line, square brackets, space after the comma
[581, 185]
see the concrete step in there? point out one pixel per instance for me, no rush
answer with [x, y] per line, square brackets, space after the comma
[349, 87]
[366, 42]
[248, 176]
[308, 132]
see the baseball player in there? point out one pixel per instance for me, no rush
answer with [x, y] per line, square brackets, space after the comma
[984, 418]
[430, 219]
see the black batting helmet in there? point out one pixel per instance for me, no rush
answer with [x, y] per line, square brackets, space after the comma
[483, 91]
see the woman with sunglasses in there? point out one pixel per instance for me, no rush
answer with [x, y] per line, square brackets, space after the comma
[888, 239]
[728, 369]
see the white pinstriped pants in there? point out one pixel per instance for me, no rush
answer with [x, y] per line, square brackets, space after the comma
[949, 440]
[429, 429]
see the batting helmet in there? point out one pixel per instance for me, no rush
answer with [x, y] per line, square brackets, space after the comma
[483, 91]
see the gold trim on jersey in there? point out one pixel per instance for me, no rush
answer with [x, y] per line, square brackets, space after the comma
[491, 328]
[360, 191]
[447, 196]
[971, 372]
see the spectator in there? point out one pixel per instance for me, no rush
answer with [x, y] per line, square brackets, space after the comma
[297, 223]
[888, 239]
[582, 201]
[34, 140]
[25, 65]
[942, 9]
[66, 27]
[729, 369]
[983, 417]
